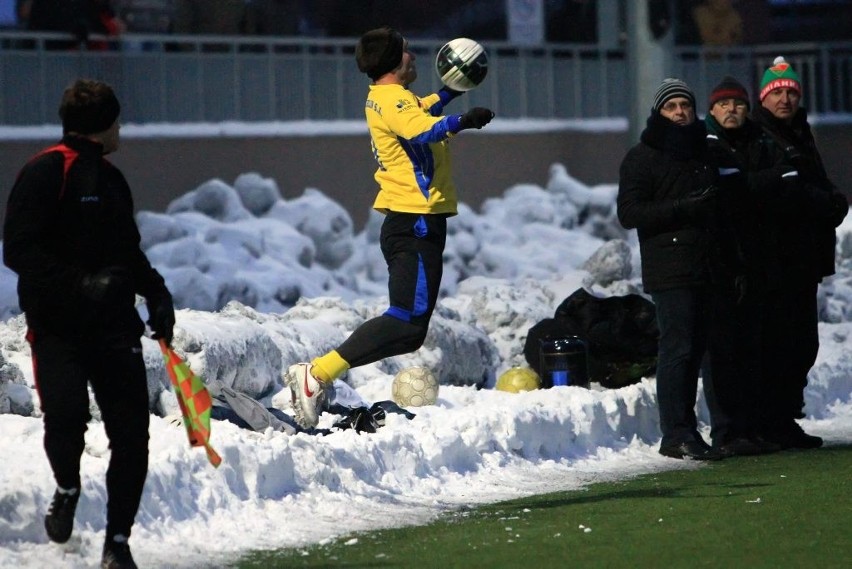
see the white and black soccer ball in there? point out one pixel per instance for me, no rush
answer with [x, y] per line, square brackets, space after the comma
[415, 387]
[462, 64]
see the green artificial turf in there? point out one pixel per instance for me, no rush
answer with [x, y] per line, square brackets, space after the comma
[791, 509]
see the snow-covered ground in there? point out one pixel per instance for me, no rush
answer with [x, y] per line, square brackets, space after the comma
[263, 282]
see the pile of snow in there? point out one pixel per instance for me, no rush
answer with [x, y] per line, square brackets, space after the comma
[262, 282]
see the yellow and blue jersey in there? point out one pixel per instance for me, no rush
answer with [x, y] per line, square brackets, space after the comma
[410, 142]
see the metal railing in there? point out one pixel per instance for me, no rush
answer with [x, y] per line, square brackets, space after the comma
[169, 78]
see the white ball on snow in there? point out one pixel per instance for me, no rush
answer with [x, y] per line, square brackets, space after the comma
[415, 387]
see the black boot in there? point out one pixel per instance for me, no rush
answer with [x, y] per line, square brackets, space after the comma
[790, 435]
[59, 521]
[739, 446]
[117, 555]
[691, 449]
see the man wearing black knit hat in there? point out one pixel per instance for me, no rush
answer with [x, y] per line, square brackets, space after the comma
[71, 237]
[667, 191]
[410, 141]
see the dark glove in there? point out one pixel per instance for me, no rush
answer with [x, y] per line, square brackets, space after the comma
[794, 156]
[698, 205]
[779, 171]
[841, 208]
[107, 285]
[161, 318]
[740, 288]
[797, 198]
[477, 117]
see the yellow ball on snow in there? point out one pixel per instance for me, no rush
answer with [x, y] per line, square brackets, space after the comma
[518, 379]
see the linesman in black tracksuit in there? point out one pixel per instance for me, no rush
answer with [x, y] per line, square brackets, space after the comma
[71, 237]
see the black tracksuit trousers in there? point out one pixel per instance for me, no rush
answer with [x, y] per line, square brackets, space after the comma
[63, 369]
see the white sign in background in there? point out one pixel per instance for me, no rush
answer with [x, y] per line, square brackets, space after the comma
[526, 21]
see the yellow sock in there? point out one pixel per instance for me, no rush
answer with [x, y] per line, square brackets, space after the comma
[329, 367]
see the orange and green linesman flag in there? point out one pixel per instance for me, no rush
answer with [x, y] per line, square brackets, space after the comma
[194, 401]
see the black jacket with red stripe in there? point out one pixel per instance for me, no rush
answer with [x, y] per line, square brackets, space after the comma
[70, 214]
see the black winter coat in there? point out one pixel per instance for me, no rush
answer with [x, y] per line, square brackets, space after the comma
[670, 162]
[70, 214]
[820, 207]
[754, 200]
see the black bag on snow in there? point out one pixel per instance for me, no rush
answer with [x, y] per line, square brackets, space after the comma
[620, 331]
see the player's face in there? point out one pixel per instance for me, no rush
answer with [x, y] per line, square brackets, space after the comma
[408, 69]
[729, 113]
[782, 102]
[679, 110]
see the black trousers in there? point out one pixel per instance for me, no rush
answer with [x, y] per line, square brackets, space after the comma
[789, 350]
[413, 247]
[733, 372]
[63, 370]
[683, 316]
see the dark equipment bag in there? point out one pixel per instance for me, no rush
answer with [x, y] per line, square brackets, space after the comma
[620, 331]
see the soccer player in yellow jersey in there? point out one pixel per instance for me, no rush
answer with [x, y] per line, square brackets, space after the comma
[410, 140]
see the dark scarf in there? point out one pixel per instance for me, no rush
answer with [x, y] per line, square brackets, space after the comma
[680, 142]
[797, 132]
[734, 137]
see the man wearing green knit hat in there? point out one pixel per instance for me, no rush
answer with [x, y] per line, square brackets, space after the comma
[780, 76]
[807, 209]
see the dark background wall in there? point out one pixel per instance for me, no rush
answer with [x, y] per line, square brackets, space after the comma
[341, 166]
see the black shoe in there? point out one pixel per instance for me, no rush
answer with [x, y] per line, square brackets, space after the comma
[117, 556]
[791, 435]
[692, 450]
[800, 439]
[59, 521]
[766, 446]
[740, 446]
[701, 442]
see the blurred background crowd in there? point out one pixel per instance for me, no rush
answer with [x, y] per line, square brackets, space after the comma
[713, 22]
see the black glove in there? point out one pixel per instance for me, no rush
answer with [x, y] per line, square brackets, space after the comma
[740, 288]
[779, 170]
[698, 205]
[794, 156]
[840, 209]
[161, 318]
[477, 117]
[107, 285]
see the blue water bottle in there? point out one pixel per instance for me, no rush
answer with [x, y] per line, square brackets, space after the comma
[563, 361]
[560, 377]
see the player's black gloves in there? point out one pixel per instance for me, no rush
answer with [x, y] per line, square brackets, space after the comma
[477, 117]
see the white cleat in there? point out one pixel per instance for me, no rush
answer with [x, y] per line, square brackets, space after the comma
[307, 394]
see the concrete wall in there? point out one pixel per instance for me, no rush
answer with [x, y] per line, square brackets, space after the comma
[341, 166]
